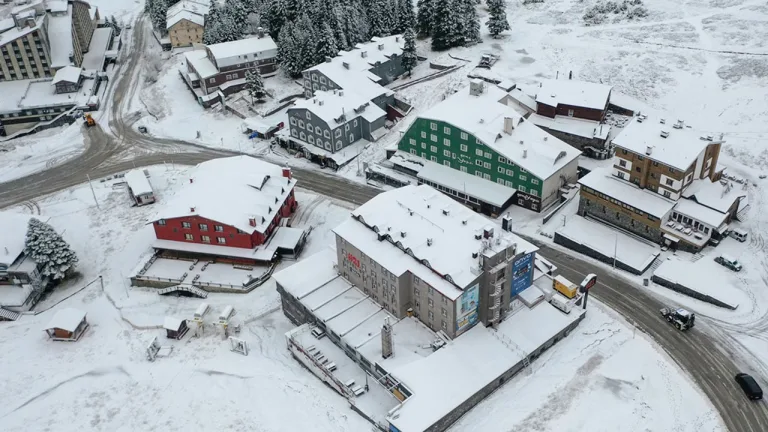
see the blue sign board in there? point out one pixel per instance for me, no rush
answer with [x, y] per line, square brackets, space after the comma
[522, 273]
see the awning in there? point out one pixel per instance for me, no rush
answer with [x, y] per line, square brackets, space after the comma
[671, 238]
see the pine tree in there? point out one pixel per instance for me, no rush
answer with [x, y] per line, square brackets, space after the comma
[409, 51]
[326, 44]
[469, 28]
[274, 17]
[287, 51]
[497, 20]
[46, 247]
[446, 26]
[305, 38]
[211, 31]
[377, 21]
[148, 6]
[342, 42]
[255, 85]
[158, 15]
[356, 26]
[115, 26]
[425, 16]
[406, 15]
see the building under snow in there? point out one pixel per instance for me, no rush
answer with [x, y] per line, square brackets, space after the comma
[139, 189]
[232, 209]
[20, 282]
[475, 147]
[185, 22]
[665, 185]
[430, 300]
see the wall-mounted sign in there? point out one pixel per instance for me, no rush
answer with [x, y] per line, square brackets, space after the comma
[522, 273]
[353, 259]
[466, 309]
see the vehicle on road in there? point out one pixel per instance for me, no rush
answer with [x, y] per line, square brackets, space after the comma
[750, 386]
[680, 318]
[728, 261]
[143, 129]
[89, 121]
[739, 235]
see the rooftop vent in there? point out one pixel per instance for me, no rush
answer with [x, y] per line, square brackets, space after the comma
[341, 92]
[488, 232]
[663, 121]
[476, 87]
[429, 242]
[509, 125]
[381, 47]
[252, 222]
[478, 235]
[320, 102]
[327, 59]
[345, 64]
[678, 124]
[664, 133]
[397, 38]
[193, 180]
[410, 212]
[363, 54]
[464, 222]
[402, 234]
[474, 254]
[521, 142]
[648, 150]
[525, 153]
[545, 138]
[191, 209]
[446, 212]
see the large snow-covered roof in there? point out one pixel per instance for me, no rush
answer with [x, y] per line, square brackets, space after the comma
[138, 182]
[14, 32]
[56, 5]
[66, 319]
[187, 9]
[60, 38]
[575, 93]
[67, 74]
[652, 203]
[717, 195]
[184, 15]
[330, 105]
[13, 234]
[484, 115]
[243, 50]
[700, 213]
[435, 228]
[200, 63]
[571, 125]
[232, 191]
[679, 150]
[474, 186]
[172, 323]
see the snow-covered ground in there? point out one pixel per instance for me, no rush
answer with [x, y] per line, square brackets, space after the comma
[45, 149]
[203, 385]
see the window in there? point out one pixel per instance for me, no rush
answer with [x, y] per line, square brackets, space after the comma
[433, 126]
[423, 134]
[502, 160]
[431, 315]
[444, 325]
[447, 153]
[433, 137]
[446, 142]
[522, 177]
[412, 141]
[508, 183]
[447, 130]
[351, 137]
[488, 155]
[534, 192]
[510, 173]
[623, 163]
[303, 136]
[486, 165]
[301, 124]
[669, 182]
[310, 129]
[354, 123]
[501, 170]
[637, 169]
[433, 158]
[464, 136]
[318, 131]
[218, 228]
[326, 134]
[186, 225]
[314, 77]
[338, 133]
[221, 240]
[433, 149]
[424, 155]
[487, 176]
[322, 80]
[203, 227]
[570, 113]
[521, 188]
[534, 181]
[327, 145]
[444, 312]
[447, 163]
[424, 145]
[161, 222]
[415, 292]
[463, 168]
[346, 127]
[667, 194]
[463, 147]
[500, 181]
[188, 237]
[479, 152]
[413, 151]
[620, 175]
[478, 173]
[212, 80]
[294, 133]
[430, 302]
[312, 140]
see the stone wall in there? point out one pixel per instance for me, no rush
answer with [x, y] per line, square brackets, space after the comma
[620, 219]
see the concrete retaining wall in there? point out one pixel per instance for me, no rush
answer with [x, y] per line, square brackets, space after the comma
[689, 292]
[582, 249]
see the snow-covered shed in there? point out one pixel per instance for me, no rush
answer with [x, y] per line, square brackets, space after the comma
[139, 187]
[67, 325]
[175, 328]
[67, 79]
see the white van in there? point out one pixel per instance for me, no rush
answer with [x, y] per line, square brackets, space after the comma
[739, 235]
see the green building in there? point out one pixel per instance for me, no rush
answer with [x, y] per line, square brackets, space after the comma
[475, 147]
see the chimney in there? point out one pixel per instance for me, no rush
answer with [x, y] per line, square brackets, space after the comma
[525, 153]
[363, 54]
[287, 173]
[509, 125]
[191, 180]
[260, 32]
[191, 209]
[474, 254]
[345, 64]
[381, 47]
[429, 242]
[664, 133]
[446, 212]
[386, 339]
[320, 102]
[402, 234]
[397, 38]
[488, 232]
[327, 59]
[648, 150]
[476, 87]
[341, 92]
[570, 75]
[252, 222]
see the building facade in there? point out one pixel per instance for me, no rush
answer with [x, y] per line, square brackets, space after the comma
[185, 22]
[25, 50]
[20, 277]
[185, 32]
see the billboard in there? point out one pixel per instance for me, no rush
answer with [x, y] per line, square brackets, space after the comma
[522, 273]
[466, 308]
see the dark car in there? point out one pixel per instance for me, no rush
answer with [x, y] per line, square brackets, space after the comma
[750, 386]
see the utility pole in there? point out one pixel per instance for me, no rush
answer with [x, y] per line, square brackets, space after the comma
[615, 248]
[92, 191]
[564, 218]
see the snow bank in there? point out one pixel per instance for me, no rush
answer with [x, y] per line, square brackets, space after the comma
[703, 279]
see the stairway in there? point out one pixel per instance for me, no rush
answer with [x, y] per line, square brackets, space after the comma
[697, 256]
[188, 288]
[507, 342]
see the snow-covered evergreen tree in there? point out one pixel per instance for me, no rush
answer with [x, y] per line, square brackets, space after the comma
[158, 14]
[469, 28]
[148, 6]
[425, 16]
[274, 17]
[46, 247]
[305, 38]
[339, 34]
[212, 23]
[406, 16]
[255, 85]
[287, 51]
[326, 43]
[409, 51]
[355, 25]
[377, 21]
[446, 27]
[497, 17]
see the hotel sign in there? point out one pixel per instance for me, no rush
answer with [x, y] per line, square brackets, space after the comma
[353, 259]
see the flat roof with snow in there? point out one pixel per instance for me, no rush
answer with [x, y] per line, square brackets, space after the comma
[172, 323]
[652, 203]
[13, 235]
[444, 380]
[60, 38]
[97, 50]
[330, 105]
[679, 149]
[474, 186]
[242, 51]
[138, 182]
[692, 209]
[483, 116]
[435, 229]
[574, 93]
[571, 125]
[66, 319]
[232, 191]
[306, 275]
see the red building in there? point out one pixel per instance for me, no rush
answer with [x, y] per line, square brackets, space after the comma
[230, 208]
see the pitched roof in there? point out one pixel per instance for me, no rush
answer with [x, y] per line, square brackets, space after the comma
[235, 52]
[13, 234]
[484, 115]
[184, 15]
[232, 191]
[199, 8]
[642, 199]
[330, 105]
[138, 182]
[575, 93]
[66, 319]
[717, 195]
[67, 74]
[679, 149]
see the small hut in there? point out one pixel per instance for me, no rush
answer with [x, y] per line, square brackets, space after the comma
[175, 328]
[67, 325]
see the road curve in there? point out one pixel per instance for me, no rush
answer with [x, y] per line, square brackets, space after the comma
[695, 351]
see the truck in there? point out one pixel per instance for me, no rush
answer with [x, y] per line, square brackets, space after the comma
[89, 121]
[564, 286]
[680, 318]
[729, 262]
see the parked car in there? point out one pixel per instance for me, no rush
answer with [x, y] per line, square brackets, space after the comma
[750, 386]
[739, 235]
[143, 129]
[727, 261]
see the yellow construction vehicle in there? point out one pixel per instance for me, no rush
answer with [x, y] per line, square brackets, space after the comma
[89, 121]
